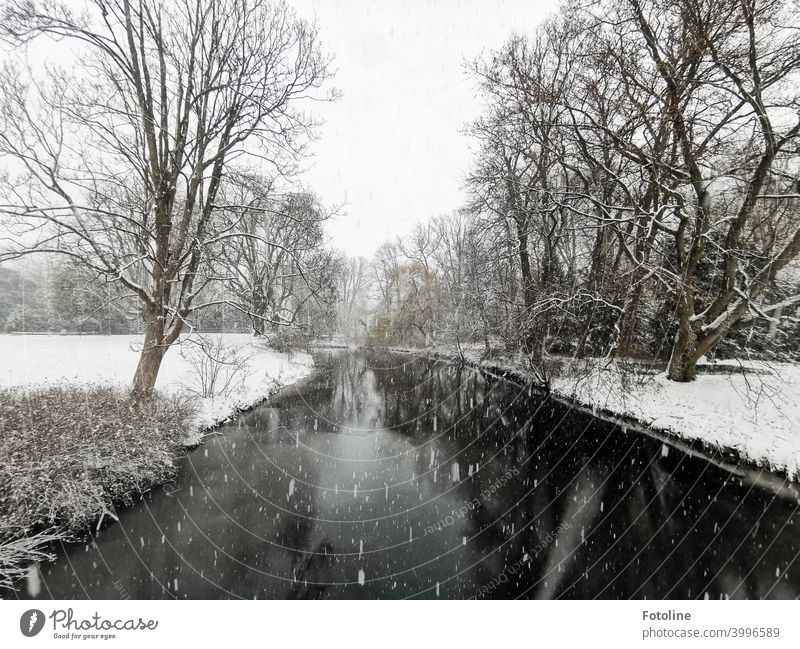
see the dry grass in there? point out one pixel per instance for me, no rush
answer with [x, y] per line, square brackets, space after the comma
[69, 454]
[16, 555]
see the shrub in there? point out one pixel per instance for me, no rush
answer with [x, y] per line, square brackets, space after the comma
[218, 369]
[289, 340]
[68, 454]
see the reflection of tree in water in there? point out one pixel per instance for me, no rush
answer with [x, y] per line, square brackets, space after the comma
[354, 397]
[428, 397]
[593, 511]
[611, 513]
[656, 528]
[311, 572]
[342, 391]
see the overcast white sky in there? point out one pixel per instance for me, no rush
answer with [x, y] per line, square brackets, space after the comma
[391, 147]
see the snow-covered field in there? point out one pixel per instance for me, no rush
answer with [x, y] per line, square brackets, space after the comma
[34, 359]
[755, 413]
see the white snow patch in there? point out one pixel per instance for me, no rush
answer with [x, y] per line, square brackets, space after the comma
[48, 359]
[757, 414]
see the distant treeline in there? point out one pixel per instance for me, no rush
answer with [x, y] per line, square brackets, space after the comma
[58, 298]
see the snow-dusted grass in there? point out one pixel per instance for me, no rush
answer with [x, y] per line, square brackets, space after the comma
[42, 360]
[69, 454]
[751, 408]
[17, 555]
[73, 443]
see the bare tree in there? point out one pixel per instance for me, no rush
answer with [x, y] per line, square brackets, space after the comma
[639, 151]
[352, 285]
[119, 164]
[271, 271]
[522, 174]
[725, 107]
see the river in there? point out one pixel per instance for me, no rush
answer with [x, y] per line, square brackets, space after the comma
[393, 476]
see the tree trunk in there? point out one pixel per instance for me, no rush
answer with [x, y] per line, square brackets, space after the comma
[528, 290]
[150, 359]
[530, 344]
[683, 361]
[580, 348]
[773, 326]
[627, 319]
[259, 308]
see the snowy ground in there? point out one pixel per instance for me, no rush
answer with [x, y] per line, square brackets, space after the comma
[755, 413]
[33, 359]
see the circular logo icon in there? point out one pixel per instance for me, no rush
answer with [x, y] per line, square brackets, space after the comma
[31, 622]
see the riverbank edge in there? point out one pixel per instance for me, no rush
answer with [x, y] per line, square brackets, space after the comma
[200, 430]
[33, 545]
[728, 459]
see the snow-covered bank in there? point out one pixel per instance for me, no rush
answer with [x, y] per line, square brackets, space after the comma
[94, 451]
[751, 410]
[48, 359]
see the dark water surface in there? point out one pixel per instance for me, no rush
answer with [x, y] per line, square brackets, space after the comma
[390, 476]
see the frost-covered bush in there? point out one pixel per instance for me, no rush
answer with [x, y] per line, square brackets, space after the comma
[218, 368]
[67, 454]
[289, 340]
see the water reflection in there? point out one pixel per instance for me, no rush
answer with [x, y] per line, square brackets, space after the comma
[389, 476]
